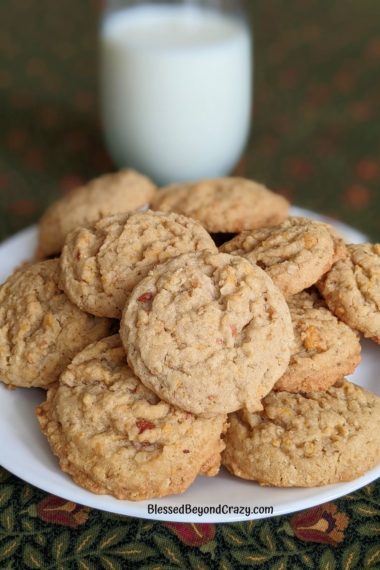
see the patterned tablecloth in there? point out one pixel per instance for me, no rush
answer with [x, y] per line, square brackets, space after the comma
[315, 138]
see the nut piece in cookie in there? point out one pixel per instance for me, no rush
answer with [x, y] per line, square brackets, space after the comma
[40, 328]
[114, 436]
[208, 332]
[325, 349]
[351, 289]
[224, 204]
[101, 264]
[306, 440]
[110, 194]
[295, 254]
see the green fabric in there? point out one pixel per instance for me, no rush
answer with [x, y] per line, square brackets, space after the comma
[41, 531]
[315, 137]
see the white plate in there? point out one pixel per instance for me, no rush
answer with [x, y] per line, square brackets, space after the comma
[25, 452]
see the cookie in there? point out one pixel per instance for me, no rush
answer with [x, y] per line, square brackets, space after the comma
[40, 329]
[123, 191]
[101, 264]
[114, 436]
[224, 204]
[340, 248]
[295, 254]
[325, 349]
[207, 332]
[352, 289]
[306, 440]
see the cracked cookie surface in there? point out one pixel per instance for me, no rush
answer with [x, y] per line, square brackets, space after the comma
[295, 253]
[224, 204]
[306, 440]
[208, 332]
[352, 289]
[340, 247]
[114, 436]
[324, 350]
[110, 194]
[41, 330]
[101, 264]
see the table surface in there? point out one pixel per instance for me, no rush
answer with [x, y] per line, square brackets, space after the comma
[315, 138]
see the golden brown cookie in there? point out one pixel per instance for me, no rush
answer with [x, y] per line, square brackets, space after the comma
[295, 254]
[352, 289]
[101, 264]
[208, 332]
[40, 329]
[325, 349]
[306, 440]
[340, 248]
[114, 436]
[224, 204]
[123, 191]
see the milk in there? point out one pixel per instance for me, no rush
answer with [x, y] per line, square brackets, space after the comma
[176, 90]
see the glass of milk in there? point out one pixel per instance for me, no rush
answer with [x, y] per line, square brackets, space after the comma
[176, 86]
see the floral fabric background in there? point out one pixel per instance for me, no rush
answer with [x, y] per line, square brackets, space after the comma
[315, 138]
[43, 531]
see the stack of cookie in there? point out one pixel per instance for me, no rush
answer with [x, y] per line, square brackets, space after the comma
[162, 354]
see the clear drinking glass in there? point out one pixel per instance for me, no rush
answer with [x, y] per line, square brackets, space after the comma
[176, 86]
